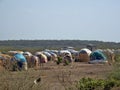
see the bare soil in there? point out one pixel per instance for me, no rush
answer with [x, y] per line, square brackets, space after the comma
[53, 76]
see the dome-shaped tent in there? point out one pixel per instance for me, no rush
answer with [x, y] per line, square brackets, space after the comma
[97, 57]
[84, 55]
[42, 57]
[49, 56]
[27, 53]
[110, 55]
[21, 61]
[20, 57]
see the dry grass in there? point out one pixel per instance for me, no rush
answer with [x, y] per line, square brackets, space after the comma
[53, 77]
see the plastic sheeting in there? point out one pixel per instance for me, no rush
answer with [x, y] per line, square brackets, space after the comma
[97, 55]
[20, 57]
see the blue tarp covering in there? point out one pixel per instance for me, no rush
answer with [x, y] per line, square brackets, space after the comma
[20, 57]
[97, 55]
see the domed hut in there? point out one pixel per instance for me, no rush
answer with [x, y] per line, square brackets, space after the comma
[84, 55]
[110, 55]
[21, 61]
[98, 57]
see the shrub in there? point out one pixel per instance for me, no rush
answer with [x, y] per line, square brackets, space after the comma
[89, 84]
[59, 60]
[97, 84]
[117, 57]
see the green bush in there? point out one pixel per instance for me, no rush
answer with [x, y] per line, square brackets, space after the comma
[59, 60]
[97, 84]
[89, 84]
[66, 62]
[117, 57]
[115, 74]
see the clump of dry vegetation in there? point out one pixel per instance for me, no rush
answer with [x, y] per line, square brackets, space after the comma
[53, 76]
[59, 77]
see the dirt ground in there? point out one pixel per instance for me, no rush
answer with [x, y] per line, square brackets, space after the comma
[53, 77]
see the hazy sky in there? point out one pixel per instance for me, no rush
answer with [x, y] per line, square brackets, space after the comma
[60, 19]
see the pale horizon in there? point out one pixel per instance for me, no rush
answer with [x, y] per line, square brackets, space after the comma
[60, 20]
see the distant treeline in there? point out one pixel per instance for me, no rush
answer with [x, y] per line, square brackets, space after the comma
[54, 44]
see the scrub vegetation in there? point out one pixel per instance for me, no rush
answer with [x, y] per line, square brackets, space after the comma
[55, 76]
